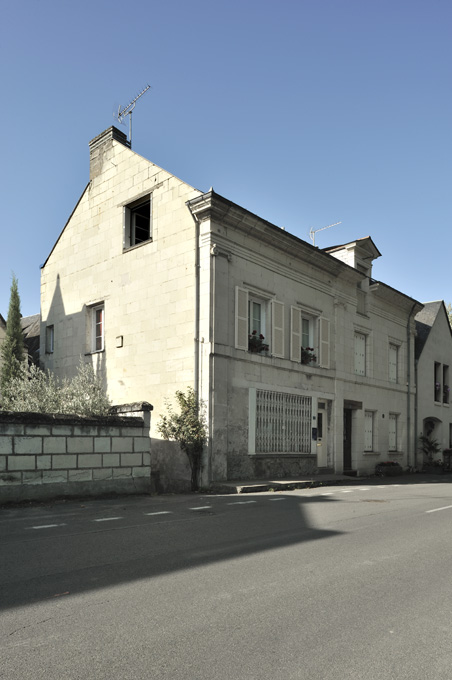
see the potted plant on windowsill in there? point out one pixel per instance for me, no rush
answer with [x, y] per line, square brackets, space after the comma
[431, 448]
[307, 355]
[256, 343]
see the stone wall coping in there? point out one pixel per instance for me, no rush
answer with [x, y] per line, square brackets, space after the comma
[130, 408]
[30, 418]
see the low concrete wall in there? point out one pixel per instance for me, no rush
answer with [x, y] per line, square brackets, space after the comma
[46, 455]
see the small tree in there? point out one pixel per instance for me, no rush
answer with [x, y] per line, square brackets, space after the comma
[188, 428]
[449, 312]
[12, 350]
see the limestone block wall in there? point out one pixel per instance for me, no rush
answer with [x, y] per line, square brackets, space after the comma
[45, 455]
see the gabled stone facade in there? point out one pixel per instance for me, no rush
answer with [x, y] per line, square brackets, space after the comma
[162, 287]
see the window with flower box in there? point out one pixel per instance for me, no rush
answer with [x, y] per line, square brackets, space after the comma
[259, 323]
[309, 338]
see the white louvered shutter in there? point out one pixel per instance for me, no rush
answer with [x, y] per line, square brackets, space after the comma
[277, 348]
[295, 334]
[324, 342]
[241, 318]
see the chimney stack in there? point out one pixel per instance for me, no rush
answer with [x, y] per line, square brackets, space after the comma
[99, 146]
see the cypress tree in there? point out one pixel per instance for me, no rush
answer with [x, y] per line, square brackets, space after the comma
[12, 350]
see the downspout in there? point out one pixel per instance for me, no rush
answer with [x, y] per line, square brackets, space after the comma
[197, 288]
[408, 338]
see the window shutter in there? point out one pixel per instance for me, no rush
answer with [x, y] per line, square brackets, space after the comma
[241, 318]
[324, 342]
[393, 351]
[277, 347]
[360, 354]
[295, 334]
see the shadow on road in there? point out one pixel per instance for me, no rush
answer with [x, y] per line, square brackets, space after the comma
[83, 556]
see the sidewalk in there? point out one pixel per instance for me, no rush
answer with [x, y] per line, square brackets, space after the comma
[259, 485]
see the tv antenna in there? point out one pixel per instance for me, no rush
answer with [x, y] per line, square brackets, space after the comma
[127, 111]
[313, 232]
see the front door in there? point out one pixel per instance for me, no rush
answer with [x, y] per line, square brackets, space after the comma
[322, 459]
[348, 438]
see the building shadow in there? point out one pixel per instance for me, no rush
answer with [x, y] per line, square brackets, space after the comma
[84, 555]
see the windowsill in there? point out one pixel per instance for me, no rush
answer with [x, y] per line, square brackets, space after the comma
[96, 351]
[137, 245]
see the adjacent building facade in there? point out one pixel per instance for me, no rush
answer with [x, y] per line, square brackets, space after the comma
[434, 370]
[304, 362]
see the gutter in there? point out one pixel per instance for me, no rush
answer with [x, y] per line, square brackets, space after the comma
[197, 305]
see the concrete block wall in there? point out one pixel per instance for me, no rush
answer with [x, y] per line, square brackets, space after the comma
[44, 455]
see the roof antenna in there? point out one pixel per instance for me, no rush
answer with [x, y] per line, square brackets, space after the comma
[313, 232]
[127, 111]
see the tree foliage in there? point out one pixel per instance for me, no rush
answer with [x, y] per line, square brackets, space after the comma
[449, 312]
[12, 351]
[188, 428]
[38, 391]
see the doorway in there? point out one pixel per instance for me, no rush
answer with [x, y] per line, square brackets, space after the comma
[347, 438]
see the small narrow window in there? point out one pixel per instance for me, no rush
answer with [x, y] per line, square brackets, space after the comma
[50, 336]
[98, 328]
[445, 384]
[138, 222]
[437, 383]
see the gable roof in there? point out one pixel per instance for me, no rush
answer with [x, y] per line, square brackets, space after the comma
[424, 321]
[31, 327]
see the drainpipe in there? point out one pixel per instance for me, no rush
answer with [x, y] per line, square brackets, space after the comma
[408, 338]
[197, 288]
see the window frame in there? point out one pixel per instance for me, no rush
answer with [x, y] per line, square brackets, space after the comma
[50, 339]
[130, 212]
[393, 376]
[94, 328]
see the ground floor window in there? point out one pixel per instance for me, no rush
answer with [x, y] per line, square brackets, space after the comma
[283, 422]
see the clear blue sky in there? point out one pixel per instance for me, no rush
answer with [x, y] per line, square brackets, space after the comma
[305, 113]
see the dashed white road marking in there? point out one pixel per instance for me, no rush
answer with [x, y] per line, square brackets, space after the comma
[47, 526]
[327, 493]
[365, 488]
[246, 502]
[347, 490]
[201, 507]
[446, 507]
[381, 486]
[162, 512]
[274, 499]
[106, 519]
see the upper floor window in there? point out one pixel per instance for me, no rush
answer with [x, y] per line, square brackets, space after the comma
[98, 328]
[50, 338]
[137, 222]
[437, 381]
[360, 353]
[393, 362]
[259, 323]
[446, 389]
[309, 338]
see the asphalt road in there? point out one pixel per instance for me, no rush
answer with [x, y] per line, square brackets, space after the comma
[340, 582]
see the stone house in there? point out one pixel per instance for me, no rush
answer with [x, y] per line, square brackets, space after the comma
[433, 370]
[303, 360]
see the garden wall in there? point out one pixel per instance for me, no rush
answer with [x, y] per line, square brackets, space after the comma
[45, 456]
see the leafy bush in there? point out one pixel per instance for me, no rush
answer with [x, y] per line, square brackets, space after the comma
[188, 428]
[40, 391]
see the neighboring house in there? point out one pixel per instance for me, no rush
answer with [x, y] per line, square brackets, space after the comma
[162, 287]
[31, 327]
[434, 375]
